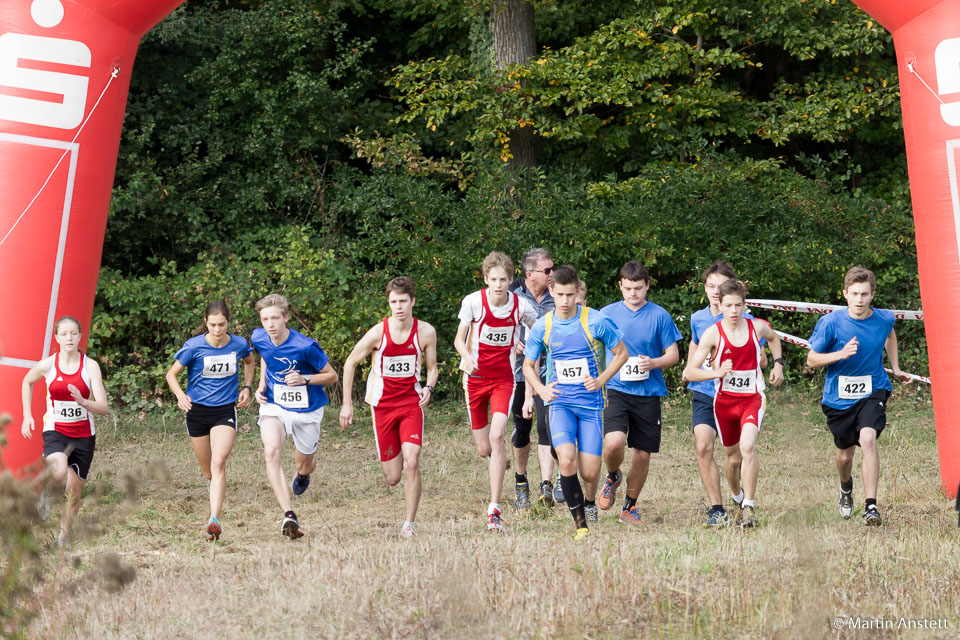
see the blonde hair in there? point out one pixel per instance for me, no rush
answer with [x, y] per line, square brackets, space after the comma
[497, 259]
[273, 300]
[56, 326]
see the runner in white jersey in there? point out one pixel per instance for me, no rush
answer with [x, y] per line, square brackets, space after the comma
[74, 392]
[398, 344]
[489, 331]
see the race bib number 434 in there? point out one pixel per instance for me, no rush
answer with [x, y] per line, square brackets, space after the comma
[291, 397]
[68, 411]
[399, 366]
[571, 371]
[854, 387]
[743, 381]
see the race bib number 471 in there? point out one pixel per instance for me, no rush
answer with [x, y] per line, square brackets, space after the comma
[219, 366]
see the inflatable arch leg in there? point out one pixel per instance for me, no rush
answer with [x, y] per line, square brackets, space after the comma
[60, 60]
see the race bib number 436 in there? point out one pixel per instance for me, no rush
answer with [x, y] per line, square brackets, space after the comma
[291, 397]
[399, 366]
[854, 387]
[68, 411]
[571, 371]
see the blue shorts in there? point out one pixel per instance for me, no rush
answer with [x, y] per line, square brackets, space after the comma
[577, 426]
[703, 410]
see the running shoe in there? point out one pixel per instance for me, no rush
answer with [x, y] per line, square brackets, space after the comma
[300, 484]
[581, 534]
[213, 529]
[291, 526]
[546, 493]
[44, 505]
[523, 496]
[845, 504]
[493, 521]
[608, 493]
[630, 516]
[590, 510]
[557, 489]
[63, 543]
[749, 518]
[717, 518]
[871, 516]
[407, 530]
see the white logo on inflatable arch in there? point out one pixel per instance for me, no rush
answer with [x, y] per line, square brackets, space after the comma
[947, 59]
[64, 108]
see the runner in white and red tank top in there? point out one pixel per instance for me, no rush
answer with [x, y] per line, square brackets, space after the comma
[74, 392]
[490, 321]
[734, 349]
[394, 394]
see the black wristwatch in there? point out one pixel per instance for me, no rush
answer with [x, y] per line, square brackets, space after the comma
[246, 386]
[779, 361]
[306, 379]
[428, 387]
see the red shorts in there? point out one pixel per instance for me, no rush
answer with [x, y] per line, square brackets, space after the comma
[732, 412]
[395, 425]
[495, 394]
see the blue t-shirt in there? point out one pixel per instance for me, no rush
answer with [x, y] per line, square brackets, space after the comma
[213, 374]
[299, 353]
[648, 331]
[699, 323]
[836, 329]
[568, 343]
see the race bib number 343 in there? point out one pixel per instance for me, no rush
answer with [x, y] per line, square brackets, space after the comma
[571, 371]
[399, 366]
[854, 387]
[630, 371]
[291, 397]
[68, 411]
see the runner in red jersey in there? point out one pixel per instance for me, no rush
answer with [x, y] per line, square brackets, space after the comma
[74, 392]
[394, 394]
[490, 321]
[734, 343]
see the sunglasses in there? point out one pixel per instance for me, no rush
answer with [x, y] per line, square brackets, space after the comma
[545, 272]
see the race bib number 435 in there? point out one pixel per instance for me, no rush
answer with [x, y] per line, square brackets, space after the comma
[68, 411]
[291, 397]
[399, 366]
[571, 371]
[854, 387]
[496, 336]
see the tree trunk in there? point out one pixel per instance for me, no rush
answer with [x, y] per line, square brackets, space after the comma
[514, 42]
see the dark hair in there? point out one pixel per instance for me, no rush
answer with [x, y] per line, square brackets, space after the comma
[722, 267]
[402, 284]
[215, 307]
[566, 275]
[56, 325]
[857, 275]
[733, 287]
[635, 271]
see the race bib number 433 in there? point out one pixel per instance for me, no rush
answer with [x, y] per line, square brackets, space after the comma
[399, 366]
[219, 366]
[571, 371]
[68, 411]
[291, 397]
[854, 387]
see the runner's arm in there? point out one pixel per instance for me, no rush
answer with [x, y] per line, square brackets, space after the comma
[361, 350]
[670, 357]
[894, 355]
[815, 359]
[183, 400]
[620, 357]
[429, 342]
[99, 404]
[460, 344]
[33, 376]
[249, 369]
[765, 331]
[692, 371]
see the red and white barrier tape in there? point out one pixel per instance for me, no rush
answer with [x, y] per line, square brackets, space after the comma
[806, 307]
[786, 337]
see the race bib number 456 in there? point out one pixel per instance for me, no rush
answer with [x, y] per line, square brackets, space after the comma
[572, 371]
[291, 397]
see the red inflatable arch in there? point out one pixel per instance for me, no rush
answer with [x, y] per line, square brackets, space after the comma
[60, 60]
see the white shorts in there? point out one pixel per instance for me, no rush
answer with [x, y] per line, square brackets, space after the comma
[304, 427]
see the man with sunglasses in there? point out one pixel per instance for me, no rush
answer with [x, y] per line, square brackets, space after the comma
[537, 265]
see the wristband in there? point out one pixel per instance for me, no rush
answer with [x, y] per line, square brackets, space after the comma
[779, 361]
[246, 386]
[430, 388]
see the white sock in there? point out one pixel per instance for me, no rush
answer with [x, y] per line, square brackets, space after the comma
[739, 497]
[493, 506]
[748, 503]
[408, 522]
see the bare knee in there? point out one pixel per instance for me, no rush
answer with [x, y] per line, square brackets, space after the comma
[483, 450]
[747, 449]
[704, 450]
[411, 465]
[845, 456]
[271, 454]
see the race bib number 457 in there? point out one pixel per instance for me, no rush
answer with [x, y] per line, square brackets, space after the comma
[572, 371]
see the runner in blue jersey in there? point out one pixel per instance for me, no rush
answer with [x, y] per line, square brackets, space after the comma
[212, 362]
[293, 370]
[704, 425]
[572, 336]
[850, 343]
[632, 416]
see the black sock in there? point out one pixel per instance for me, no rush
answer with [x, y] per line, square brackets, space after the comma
[847, 486]
[589, 503]
[521, 478]
[290, 514]
[629, 503]
[717, 508]
[871, 502]
[574, 498]
[613, 476]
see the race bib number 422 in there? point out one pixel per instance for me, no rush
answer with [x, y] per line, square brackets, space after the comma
[854, 387]
[219, 366]
[68, 411]
[572, 371]
[291, 397]
[399, 366]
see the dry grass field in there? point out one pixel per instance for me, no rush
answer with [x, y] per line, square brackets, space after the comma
[352, 576]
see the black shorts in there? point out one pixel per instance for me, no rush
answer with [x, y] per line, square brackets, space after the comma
[703, 410]
[79, 450]
[845, 424]
[201, 418]
[523, 426]
[636, 416]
